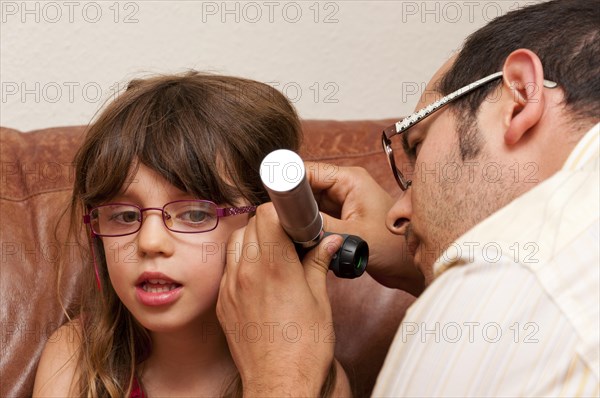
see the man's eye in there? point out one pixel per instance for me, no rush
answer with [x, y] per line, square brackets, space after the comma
[417, 148]
[413, 150]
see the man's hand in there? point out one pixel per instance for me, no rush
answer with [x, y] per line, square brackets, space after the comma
[275, 310]
[356, 204]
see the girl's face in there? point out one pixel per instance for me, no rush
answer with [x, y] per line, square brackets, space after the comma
[167, 280]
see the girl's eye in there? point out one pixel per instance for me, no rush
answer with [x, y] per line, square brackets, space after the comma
[125, 216]
[194, 216]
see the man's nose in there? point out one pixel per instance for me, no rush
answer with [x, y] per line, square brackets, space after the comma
[399, 215]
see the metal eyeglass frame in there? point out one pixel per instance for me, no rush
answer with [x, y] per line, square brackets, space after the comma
[220, 212]
[408, 122]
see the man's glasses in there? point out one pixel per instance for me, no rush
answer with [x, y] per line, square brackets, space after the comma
[408, 122]
[184, 216]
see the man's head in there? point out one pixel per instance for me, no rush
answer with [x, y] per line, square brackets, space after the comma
[490, 146]
[564, 34]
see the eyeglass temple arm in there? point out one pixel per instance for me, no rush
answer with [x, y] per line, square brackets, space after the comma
[437, 105]
[233, 211]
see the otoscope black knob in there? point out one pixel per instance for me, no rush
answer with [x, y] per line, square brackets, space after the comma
[350, 261]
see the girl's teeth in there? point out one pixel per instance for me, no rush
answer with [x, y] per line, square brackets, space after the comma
[158, 289]
[157, 281]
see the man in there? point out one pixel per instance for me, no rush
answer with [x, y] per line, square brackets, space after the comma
[502, 217]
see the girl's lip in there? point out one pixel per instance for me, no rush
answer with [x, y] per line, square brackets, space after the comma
[149, 289]
[147, 276]
[159, 298]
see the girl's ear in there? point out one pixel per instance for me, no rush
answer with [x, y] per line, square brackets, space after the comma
[523, 77]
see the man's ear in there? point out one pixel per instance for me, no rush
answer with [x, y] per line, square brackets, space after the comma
[523, 77]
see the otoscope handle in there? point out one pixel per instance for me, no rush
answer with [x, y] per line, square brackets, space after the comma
[284, 177]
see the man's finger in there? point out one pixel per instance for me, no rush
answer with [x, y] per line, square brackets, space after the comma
[233, 253]
[316, 263]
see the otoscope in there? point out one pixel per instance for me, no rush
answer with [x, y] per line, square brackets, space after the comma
[284, 176]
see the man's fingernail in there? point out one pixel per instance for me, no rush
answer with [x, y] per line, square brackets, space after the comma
[334, 244]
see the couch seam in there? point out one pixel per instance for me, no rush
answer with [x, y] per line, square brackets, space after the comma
[12, 199]
[317, 158]
[358, 155]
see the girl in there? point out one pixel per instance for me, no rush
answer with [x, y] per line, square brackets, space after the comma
[165, 174]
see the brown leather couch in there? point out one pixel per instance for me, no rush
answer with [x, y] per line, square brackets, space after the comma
[36, 179]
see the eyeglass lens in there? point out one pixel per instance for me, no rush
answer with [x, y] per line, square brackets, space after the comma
[389, 148]
[181, 216]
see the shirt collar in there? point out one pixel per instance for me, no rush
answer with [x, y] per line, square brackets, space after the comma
[586, 150]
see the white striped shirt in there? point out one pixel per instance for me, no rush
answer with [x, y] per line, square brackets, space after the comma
[514, 309]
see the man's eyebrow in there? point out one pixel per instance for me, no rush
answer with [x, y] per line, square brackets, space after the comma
[406, 133]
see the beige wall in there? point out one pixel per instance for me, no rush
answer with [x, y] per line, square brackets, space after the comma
[60, 60]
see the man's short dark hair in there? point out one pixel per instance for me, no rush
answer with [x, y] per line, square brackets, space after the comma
[565, 35]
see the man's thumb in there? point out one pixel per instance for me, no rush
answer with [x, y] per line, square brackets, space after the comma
[316, 262]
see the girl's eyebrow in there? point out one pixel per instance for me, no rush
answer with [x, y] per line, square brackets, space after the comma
[129, 196]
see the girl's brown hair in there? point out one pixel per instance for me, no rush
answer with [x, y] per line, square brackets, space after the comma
[185, 128]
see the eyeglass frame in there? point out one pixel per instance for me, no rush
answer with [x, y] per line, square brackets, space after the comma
[220, 212]
[409, 121]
